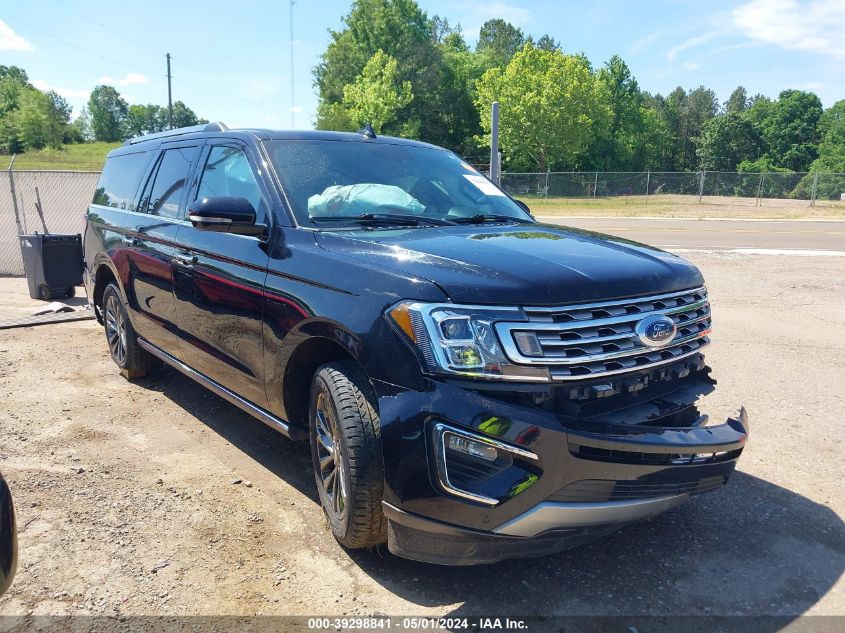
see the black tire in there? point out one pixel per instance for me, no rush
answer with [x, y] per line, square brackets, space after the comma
[44, 292]
[342, 405]
[134, 361]
[70, 292]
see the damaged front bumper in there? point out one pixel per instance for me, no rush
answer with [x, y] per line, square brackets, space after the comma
[566, 480]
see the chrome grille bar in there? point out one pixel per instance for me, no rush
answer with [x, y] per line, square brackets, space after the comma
[584, 341]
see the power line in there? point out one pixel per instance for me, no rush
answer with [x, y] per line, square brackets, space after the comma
[132, 67]
[134, 40]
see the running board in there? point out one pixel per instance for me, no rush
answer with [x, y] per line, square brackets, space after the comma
[255, 411]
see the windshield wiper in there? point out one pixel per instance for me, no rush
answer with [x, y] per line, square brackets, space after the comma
[491, 217]
[384, 219]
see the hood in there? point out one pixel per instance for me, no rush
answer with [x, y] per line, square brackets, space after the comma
[535, 264]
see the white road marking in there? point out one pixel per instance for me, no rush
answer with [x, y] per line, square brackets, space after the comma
[690, 219]
[798, 252]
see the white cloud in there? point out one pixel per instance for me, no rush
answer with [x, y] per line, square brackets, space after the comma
[692, 42]
[640, 44]
[129, 79]
[814, 25]
[296, 108]
[11, 41]
[68, 93]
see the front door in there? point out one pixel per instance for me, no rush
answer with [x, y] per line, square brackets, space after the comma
[150, 237]
[219, 278]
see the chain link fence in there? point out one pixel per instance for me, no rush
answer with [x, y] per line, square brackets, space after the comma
[770, 188]
[65, 195]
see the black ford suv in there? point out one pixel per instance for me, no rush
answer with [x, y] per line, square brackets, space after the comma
[474, 385]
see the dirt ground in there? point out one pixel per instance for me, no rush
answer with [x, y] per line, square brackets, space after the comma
[157, 497]
[677, 206]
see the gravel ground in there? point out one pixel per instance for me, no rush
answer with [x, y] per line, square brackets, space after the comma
[157, 497]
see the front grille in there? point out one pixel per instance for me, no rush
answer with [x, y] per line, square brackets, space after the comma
[598, 490]
[593, 340]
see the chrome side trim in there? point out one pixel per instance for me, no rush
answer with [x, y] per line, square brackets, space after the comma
[440, 430]
[549, 516]
[257, 412]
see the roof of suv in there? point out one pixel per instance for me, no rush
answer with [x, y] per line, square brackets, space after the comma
[218, 130]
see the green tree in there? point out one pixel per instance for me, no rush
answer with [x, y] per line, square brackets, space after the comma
[378, 94]
[550, 103]
[31, 119]
[499, 41]
[616, 142]
[738, 101]
[108, 114]
[547, 43]
[728, 140]
[145, 119]
[403, 31]
[183, 116]
[790, 129]
[826, 170]
[13, 83]
[80, 128]
[40, 120]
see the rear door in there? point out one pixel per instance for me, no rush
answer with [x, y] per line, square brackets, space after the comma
[219, 277]
[150, 237]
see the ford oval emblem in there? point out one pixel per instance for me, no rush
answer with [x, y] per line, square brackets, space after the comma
[656, 330]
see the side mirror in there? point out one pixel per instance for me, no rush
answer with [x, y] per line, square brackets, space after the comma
[8, 538]
[225, 214]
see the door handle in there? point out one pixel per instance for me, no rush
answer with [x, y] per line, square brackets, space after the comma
[186, 258]
[129, 241]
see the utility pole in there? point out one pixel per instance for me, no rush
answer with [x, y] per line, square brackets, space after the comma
[494, 143]
[292, 102]
[169, 96]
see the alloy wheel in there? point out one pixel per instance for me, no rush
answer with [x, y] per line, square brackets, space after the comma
[115, 330]
[331, 472]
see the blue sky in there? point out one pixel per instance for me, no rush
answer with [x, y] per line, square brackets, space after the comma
[231, 61]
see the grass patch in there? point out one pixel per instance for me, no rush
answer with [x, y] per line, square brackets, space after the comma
[76, 157]
[686, 206]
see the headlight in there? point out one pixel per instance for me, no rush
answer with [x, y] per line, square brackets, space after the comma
[461, 340]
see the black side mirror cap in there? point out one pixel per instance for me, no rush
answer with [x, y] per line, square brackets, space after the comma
[225, 214]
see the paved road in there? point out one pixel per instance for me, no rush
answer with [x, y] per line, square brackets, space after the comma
[718, 234]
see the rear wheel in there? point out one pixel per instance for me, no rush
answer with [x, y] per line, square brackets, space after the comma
[70, 292]
[346, 454]
[134, 361]
[44, 292]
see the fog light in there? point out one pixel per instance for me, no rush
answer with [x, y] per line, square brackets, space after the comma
[464, 356]
[471, 447]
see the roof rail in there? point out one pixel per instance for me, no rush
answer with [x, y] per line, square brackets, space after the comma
[214, 126]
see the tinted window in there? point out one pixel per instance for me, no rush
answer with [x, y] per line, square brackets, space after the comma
[165, 195]
[227, 173]
[119, 180]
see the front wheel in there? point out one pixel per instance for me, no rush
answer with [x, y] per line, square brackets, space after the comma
[346, 454]
[134, 361]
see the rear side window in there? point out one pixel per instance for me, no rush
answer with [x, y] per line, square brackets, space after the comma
[119, 181]
[164, 197]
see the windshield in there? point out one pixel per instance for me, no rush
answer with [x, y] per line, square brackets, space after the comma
[335, 183]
